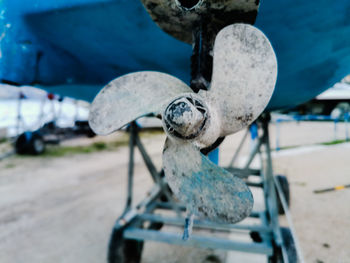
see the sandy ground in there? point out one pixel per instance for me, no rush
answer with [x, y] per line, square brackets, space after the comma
[322, 221]
[63, 209]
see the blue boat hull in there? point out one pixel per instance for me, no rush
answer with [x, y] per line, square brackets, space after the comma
[90, 42]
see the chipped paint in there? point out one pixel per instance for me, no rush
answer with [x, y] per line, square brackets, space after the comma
[244, 76]
[179, 21]
[185, 117]
[131, 96]
[207, 189]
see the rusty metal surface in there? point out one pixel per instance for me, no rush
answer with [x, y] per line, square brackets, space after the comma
[244, 76]
[207, 189]
[179, 18]
[131, 96]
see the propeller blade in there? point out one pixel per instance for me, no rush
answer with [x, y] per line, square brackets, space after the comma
[207, 189]
[244, 76]
[131, 96]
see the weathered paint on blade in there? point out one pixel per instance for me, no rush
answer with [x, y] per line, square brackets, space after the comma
[244, 76]
[180, 18]
[207, 189]
[131, 96]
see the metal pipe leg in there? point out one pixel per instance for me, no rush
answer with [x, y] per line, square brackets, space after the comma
[133, 134]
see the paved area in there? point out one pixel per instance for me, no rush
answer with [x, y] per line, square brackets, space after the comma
[63, 209]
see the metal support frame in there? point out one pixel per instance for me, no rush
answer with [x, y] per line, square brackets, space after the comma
[159, 199]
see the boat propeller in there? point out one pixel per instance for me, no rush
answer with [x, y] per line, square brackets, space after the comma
[243, 79]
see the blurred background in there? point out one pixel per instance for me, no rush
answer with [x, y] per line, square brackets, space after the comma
[62, 187]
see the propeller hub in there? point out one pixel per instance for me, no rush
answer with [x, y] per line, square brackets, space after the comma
[187, 4]
[185, 117]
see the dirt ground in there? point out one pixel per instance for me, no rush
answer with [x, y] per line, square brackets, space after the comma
[63, 209]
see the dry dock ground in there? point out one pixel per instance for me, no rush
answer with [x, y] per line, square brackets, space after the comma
[63, 209]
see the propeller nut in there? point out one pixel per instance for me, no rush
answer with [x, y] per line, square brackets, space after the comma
[185, 117]
[188, 4]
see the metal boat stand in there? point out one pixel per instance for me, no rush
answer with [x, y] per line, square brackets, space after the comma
[143, 221]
